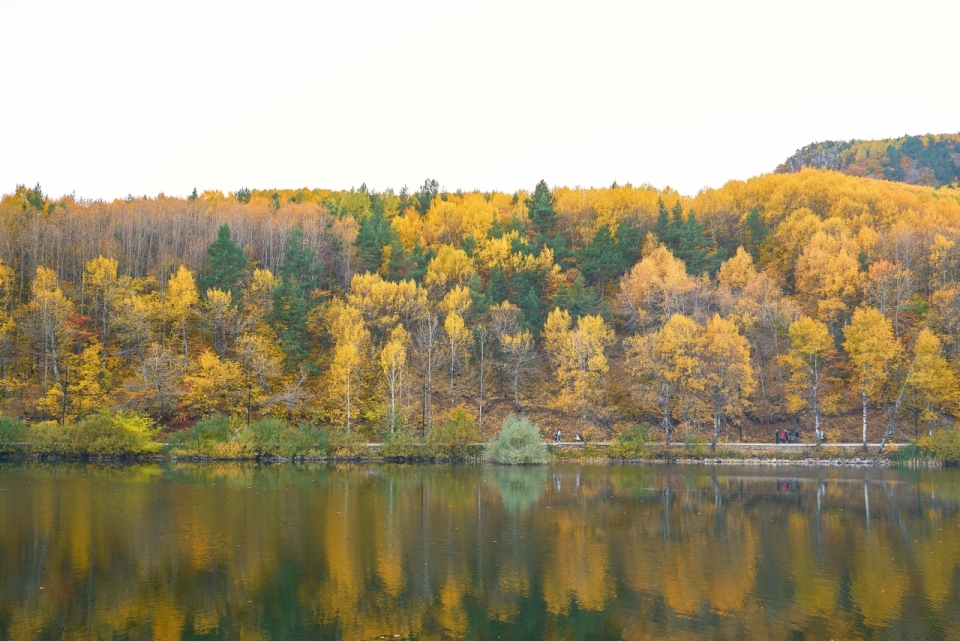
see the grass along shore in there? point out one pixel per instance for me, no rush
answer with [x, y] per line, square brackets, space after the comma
[125, 435]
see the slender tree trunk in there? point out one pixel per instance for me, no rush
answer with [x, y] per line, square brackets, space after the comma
[430, 388]
[894, 412]
[516, 386]
[482, 364]
[816, 402]
[666, 412]
[863, 399]
[393, 402]
[453, 373]
[716, 420]
[348, 401]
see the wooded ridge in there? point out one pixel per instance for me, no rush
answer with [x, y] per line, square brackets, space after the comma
[809, 298]
[932, 160]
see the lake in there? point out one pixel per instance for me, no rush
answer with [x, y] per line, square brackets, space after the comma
[241, 551]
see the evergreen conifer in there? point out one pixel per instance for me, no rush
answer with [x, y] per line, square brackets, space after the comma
[226, 263]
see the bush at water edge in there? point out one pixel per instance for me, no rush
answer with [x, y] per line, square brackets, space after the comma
[518, 443]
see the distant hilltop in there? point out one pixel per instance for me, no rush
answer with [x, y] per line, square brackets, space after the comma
[931, 160]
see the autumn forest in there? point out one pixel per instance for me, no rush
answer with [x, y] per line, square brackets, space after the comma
[808, 300]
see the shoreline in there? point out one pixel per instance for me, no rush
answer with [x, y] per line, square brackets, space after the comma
[831, 461]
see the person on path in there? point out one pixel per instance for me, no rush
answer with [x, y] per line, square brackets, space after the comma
[558, 438]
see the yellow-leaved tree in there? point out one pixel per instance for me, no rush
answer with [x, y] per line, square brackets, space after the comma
[516, 343]
[728, 375]
[213, 386]
[138, 321]
[578, 356]
[258, 299]
[828, 276]
[888, 287]
[48, 316]
[101, 282]
[458, 341]
[220, 316]
[458, 336]
[87, 384]
[931, 385]
[667, 365]
[7, 327]
[180, 303]
[449, 268]
[654, 290]
[350, 354]
[262, 361]
[811, 343]
[393, 362]
[872, 350]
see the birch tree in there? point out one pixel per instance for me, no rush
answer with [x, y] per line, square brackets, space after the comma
[872, 350]
[727, 372]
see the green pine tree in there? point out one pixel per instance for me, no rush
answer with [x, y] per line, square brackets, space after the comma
[374, 234]
[540, 209]
[480, 302]
[579, 299]
[757, 230]
[525, 287]
[599, 261]
[629, 240]
[497, 287]
[694, 246]
[292, 299]
[226, 263]
[423, 198]
[662, 227]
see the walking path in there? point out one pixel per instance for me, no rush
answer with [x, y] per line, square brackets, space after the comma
[729, 446]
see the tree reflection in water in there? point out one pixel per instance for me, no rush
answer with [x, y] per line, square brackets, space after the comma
[355, 552]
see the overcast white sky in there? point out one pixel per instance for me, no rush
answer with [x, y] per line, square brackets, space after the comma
[105, 98]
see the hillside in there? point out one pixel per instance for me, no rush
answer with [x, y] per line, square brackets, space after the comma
[738, 311]
[931, 160]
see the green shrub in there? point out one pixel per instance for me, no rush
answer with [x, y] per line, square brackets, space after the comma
[267, 437]
[944, 445]
[273, 437]
[696, 444]
[103, 434]
[633, 442]
[45, 437]
[585, 452]
[223, 437]
[346, 445]
[518, 443]
[452, 438]
[12, 434]
[908, 453]
[204, 438]
[403, 444]
[312, 440]
[459, 428]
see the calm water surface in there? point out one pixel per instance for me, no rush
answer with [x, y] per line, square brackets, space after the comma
[419, 552]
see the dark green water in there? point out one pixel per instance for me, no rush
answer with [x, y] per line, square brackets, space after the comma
[570, 552]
